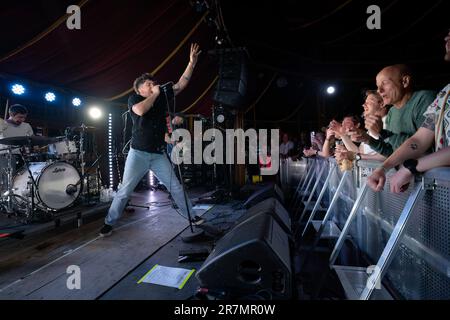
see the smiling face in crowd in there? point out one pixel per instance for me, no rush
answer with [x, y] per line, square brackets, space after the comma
[373, 105]
[349, 124]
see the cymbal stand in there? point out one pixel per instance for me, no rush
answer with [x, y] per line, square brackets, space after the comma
[33, 186]
[82, 151]
[9, 174]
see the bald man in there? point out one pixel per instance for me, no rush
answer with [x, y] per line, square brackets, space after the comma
[404, 119]
[435, 130]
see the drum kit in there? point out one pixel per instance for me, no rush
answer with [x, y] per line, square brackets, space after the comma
[40, 174]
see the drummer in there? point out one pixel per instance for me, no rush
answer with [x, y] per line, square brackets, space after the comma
[15, 125]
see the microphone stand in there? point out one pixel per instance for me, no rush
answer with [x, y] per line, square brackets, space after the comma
[195, 235]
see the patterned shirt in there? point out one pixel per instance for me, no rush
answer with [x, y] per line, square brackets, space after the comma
[437, 118]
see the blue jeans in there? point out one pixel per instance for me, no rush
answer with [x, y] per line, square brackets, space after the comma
[169, 150]
[137, 165]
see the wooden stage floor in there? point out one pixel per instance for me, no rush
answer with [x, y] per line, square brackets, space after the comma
[36, 267]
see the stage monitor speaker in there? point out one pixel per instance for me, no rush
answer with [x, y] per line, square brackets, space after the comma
[231, 89]
[270, 191]
[271, 207]
[252, 257]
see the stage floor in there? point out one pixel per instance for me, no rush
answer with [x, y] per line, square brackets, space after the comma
[36, 267]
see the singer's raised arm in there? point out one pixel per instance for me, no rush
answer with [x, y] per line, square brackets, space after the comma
[186, 77]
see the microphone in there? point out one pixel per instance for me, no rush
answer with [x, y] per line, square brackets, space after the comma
[166, 87]
[71, 189]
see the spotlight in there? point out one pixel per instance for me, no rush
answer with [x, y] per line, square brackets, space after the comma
[220, 118]
[220, 39]
[50, 96]
[76, 102]
[200, 6]
[18, 89]
[331, 90]
[95, 113]
[220, 115]
[282, 82]
[211, 20]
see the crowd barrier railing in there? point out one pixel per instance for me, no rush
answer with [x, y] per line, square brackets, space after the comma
[405, 235]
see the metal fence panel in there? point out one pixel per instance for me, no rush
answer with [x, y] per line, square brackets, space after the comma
[421, 267]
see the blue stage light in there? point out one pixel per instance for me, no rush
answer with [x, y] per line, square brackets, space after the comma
[50, 96]
[76, 102]
[18, 89]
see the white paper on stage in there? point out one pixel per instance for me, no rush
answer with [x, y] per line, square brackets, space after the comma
[167, 276]
[203, 207]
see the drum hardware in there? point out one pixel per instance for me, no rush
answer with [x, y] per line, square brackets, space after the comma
[10, 195]
[9, 173]
[86, 179]
[83, 129]
[82, 161]
[32, 185]
[48, 181]
[48, 186]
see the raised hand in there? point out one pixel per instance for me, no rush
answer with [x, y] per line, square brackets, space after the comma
[374, 124]
[359, 135]
[330, 134]
[195, 52]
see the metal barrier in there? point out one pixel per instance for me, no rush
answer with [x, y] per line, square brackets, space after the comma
[406, 236]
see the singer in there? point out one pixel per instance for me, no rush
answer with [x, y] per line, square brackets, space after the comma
[148, 109]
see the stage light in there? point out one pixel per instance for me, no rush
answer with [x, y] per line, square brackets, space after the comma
[200, 6]
[211, 20]
[50, 96]
[219, 40]
[331, 90]
[220, 118]
[151, 177]
[95, 112]
[110, 152]
[219, 115]
[76, 102]
[18, 89]
[282, 82]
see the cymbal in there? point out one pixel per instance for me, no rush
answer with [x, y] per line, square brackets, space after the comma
[81, 128]
[26, 141]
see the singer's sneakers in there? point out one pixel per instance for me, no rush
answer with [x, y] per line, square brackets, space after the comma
[106, 231]
[197, 220]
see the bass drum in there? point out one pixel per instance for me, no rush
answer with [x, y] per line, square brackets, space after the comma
[58, 184]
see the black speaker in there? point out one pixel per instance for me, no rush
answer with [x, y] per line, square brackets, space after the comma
[252, 257]
[271, 207]
[269, 191]
[231, 89]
